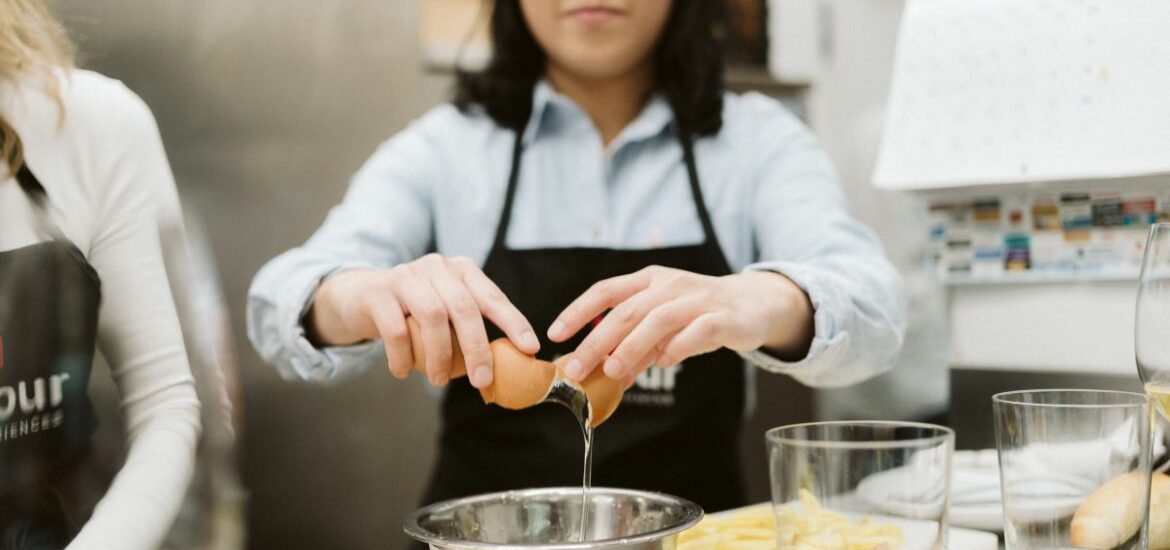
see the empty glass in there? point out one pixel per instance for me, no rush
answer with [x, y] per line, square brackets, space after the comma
[861, 484]
[1074, 468]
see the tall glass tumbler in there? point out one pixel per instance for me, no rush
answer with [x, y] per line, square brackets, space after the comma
[1074, 468]
[861, 484]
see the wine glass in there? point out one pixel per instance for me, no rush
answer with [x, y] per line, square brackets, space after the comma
[1152, 321]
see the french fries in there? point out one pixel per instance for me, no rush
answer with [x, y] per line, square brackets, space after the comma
[748, 529]
[813, 528]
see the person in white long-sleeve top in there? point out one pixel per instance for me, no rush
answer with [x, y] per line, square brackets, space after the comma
[593, 191]
[84, 185]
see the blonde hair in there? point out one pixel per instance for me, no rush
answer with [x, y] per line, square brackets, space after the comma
[32, 44]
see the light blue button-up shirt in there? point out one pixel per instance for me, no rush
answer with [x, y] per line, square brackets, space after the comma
[439, 186]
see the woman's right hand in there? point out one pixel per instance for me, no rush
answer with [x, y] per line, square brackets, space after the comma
[440, 293]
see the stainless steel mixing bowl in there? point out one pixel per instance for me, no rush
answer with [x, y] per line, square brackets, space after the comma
[551, 519]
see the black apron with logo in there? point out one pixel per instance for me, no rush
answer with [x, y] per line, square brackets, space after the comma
[676, 431]
[49, 297]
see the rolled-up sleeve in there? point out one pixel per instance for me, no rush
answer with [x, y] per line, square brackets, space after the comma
[804, 231]
[385, 219]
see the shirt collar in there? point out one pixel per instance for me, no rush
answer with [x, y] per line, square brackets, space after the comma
[654, 119]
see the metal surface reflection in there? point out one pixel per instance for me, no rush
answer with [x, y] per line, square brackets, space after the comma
[266, 108]
[550, 518]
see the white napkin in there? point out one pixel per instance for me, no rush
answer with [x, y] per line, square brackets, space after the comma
[1051, 477]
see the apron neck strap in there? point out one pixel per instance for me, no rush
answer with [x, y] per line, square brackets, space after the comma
[685, 141]
[24, 176]
[510, 194]
[709, 236]
[31, 185]
[40, 201]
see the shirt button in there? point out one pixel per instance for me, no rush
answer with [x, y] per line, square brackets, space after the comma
[596, 234]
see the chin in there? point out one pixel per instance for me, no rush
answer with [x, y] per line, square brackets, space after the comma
[596, 65]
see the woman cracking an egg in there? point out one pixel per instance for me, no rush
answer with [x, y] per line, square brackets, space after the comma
[600, 201]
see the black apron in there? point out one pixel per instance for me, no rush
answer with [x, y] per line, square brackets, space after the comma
[49, 297]
[676, 431]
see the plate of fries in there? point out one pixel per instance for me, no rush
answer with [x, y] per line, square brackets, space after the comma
[806, 525]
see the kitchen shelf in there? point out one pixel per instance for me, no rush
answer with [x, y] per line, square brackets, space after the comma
[1042, 278]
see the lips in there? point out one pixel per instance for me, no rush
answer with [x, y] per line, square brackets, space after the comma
[594, 14]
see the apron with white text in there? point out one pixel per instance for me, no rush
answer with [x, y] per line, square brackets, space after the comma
[49, 297]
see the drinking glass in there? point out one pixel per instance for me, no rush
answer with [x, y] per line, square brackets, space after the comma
[896, 474]
[1074, 468]
[1152, 320]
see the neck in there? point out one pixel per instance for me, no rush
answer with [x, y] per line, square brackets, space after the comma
[610, 103]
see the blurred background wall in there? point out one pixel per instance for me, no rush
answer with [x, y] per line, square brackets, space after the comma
[267, 107]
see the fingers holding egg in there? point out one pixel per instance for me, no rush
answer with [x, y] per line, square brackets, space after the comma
[425, 306]
[701, 336]
[392, 326]
[495, 307]
[521, 380]
[644, 343]
[419, 354]
[469, 330]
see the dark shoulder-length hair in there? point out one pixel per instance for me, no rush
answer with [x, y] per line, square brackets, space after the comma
[688, 66]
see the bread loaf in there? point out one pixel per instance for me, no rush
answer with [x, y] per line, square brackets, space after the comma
[1112, 514]
[1160, 512]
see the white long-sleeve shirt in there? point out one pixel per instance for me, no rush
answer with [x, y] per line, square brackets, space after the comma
[101, 160]
[439, 186]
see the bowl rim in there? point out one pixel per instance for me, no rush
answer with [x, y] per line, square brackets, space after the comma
[692, 513]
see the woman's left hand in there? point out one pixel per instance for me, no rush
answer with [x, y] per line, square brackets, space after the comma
[661, 316]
